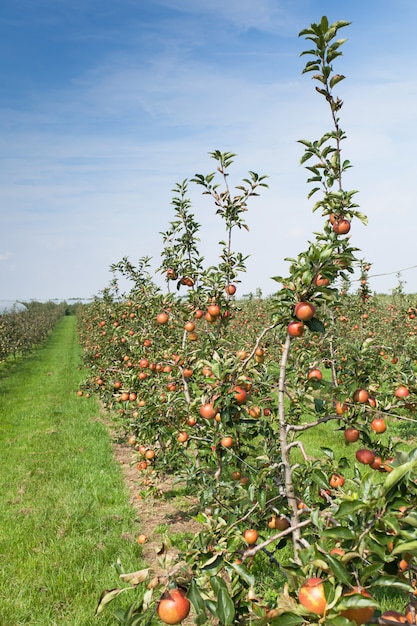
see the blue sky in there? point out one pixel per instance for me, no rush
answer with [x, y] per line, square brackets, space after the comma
[105, 106]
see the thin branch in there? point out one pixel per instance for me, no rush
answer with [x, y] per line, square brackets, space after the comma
[260, 546]
[303, 427]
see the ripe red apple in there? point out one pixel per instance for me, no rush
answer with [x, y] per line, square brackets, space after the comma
[279, 523]
[171, 274]
[312, 597]
[173, 607]
[336, 481]
[361, 396]
[304, 311]
[341, 407]
[250, 536]
[401, 392]
[295, 329]
[341, 227]
[315, 374]
[240, 394]
[208, 411]
[378, 425]
[372, 401]
[162, 318]
[213, 310]
[367, 457]
[351, 434]
[320, 281]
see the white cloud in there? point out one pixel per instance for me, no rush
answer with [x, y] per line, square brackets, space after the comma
[91, 163]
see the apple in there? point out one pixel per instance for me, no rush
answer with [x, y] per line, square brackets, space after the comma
[312, 596]
[341, 227]
[208, 411]
[162, 318]
[173, 607]
[401, 392]
[304, 311]
[351, 434]
[378, 425]
[250, 536]
[295, 329]
[320, 281]
[361, 396]
[315, 374]
[360, 615]
[367, 457]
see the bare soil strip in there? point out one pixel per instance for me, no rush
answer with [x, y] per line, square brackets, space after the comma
[152, 511]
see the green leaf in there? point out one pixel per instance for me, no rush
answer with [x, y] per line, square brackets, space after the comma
[349, 508]
[315, 325]
[411, 520]
[339, 621]
[339, 532]
[362, 217]
[369, 571]
[339, 571]
[407, 546]
[233, 543]
[225, 608]
[397, 474]
[261, 499]
[408, 535]
[194, 596]
[328, 452]
[306, 156]
[391, 581]
[320, 478]
[120, 614]
[287, 619]
[313, 191]
[214, 562]
[376, 548]
[244, 574]
[355, 600]
[319, 405]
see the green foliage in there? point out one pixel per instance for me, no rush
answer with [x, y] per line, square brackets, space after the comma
[218, 367]
[181, 257]
[21, 331]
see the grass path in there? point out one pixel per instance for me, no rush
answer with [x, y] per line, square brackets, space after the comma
[65, 515]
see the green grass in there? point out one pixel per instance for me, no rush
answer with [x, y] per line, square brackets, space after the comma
[64, 509]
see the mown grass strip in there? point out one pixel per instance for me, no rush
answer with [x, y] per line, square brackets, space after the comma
[64, 509]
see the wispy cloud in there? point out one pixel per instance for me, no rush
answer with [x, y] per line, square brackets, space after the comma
[89, 162]
[268, 15]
